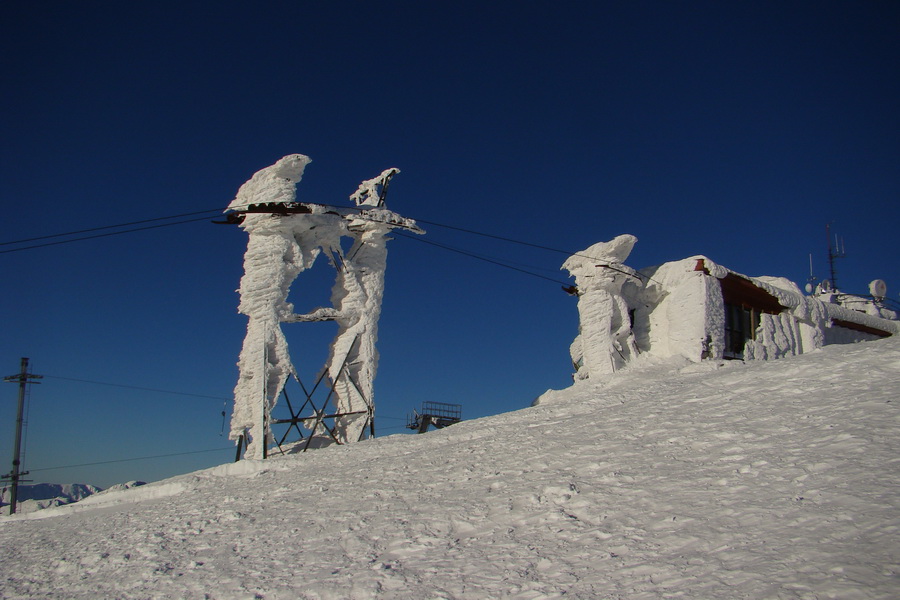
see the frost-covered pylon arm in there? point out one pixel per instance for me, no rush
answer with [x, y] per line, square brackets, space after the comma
[373, 192]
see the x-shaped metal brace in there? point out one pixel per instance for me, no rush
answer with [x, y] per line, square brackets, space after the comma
[319, 415]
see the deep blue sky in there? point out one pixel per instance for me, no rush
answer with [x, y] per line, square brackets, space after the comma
[731, 129]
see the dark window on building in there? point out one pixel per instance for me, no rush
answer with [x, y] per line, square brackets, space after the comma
[744, 302]
[741, 323]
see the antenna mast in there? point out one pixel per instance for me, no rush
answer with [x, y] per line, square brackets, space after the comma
[811, 280]
[834, 252]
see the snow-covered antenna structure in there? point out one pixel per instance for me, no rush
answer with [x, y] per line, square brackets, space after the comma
[286, 237]
[834, 252]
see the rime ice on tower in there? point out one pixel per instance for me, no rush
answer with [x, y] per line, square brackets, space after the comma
[272, 261]
[356, 296]
[605, 341]
[286, 237]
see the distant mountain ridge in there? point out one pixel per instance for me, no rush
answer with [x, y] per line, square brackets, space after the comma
[48, 491]
[37, 496]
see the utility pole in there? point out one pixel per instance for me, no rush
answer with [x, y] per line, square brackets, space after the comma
[24, 378]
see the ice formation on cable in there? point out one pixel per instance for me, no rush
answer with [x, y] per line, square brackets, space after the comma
[277, 183]
[280, 247]
[605, 341]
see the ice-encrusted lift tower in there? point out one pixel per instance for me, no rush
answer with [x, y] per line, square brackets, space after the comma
[286, 237]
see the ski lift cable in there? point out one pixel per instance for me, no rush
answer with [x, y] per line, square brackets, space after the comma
[210, 212]
[215, 211]
[515, 241]
[526, 266]
[533, 245]
[159, 225]
[483, 258]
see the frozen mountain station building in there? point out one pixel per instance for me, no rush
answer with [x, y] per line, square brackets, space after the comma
[697, 309]
[286, 238]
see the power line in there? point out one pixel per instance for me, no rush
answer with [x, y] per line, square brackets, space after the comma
[148, 389]
[99, 235]
[219, 210]
[56, 235]
[479, 257]
[106, 462]
[121, 460]
[496, 237]
[136, 387]
[134, 229]
[209, 213]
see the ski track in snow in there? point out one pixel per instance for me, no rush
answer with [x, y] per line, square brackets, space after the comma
[760, 480]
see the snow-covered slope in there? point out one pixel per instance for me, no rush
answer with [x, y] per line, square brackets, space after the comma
[765, 480]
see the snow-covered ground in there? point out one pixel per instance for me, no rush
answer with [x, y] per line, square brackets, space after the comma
[758, 480]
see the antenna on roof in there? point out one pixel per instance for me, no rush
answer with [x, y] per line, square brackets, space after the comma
[811, 280]
[834, 252]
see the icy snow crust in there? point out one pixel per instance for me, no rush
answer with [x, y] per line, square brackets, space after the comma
[679, 480]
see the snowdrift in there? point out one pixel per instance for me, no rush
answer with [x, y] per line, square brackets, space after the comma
[712, 480]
